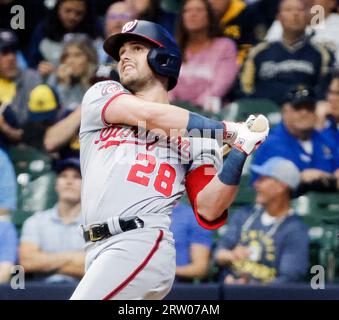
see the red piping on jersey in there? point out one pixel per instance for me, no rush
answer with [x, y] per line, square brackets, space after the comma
[137, 270]
[106, 106]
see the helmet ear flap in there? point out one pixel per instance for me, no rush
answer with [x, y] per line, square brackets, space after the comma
[165, 63]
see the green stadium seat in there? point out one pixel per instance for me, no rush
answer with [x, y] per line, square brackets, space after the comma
[320, 211]
[18, 217]
[240, 109]
[30, 161]
[320, 205]
[38, 194]
[245, 196]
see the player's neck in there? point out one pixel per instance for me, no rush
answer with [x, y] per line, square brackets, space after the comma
[155, 93]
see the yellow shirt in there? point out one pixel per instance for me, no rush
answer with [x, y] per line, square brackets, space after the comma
[7, 90]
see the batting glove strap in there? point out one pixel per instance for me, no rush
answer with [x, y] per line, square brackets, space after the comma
[230, 132]
[248, 141]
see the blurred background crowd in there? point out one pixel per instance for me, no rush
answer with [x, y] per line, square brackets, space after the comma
[276, 57]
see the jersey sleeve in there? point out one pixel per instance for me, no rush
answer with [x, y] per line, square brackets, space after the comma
[95, 103]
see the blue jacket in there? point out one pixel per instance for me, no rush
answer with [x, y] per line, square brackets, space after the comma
[281, 143]
[331, 133]
[279, 252]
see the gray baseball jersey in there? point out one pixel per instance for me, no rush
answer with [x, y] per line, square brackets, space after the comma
[129, 172]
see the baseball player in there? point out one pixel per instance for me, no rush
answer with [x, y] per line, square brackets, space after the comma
[131, 180]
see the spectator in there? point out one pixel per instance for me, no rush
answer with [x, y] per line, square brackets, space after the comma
[63, 136]
[117, 15]
[34, 10]
[43, 108]
[271, 68]
[51, 245]
[78, 64]
[8, 237]
[324, 31]
[151, 10]
[327, 123]
[210, 66]
[68, 16]
[15, 88]
[296, 139]
[241, 22]
[193, 245]
[266, 243]
[328, 112]
[8, 249]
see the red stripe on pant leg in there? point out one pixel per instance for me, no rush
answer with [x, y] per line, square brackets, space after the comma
[137, 270]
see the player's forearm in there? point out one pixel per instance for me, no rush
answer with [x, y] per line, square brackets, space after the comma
[164, 118]
[215, 199]
[75, 267]
[217, 196]
[63, 131]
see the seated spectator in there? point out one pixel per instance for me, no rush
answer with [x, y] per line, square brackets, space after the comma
[68, 16]
[43, 108]
[328, 112]
[272, 68]
[241, 22]
[34, 11]
[324, 31]
[8, 237]
[296, 139]
[151, 10]
[192, 243]
[327, 123]
[21, 60]
[15, 87]
[116, 16]
[78, 64]
[8, 249]
[266, 243]
[51, 246]
[209, 68]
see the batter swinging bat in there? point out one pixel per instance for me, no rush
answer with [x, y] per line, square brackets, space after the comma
[255, 124]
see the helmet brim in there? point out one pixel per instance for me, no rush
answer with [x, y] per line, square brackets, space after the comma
[113, 43]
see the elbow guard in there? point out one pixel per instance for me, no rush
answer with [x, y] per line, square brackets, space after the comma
[196, 180]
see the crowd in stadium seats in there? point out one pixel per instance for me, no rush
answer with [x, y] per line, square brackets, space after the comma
[276, 57]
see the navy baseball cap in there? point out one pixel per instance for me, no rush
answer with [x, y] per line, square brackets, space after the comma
[281, 169]
[8, 41]
[63, 164]
[301, 96]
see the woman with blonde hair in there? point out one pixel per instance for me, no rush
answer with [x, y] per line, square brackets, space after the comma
[78, 64]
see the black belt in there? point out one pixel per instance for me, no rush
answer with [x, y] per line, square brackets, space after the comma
[97, 232]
